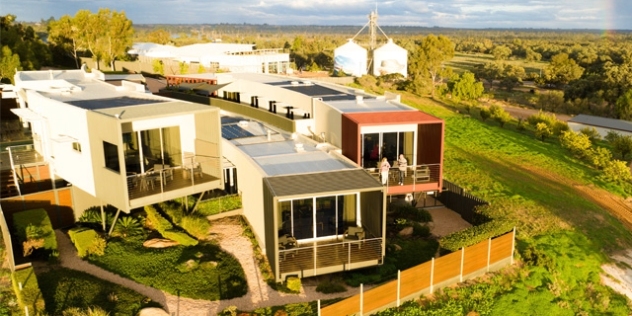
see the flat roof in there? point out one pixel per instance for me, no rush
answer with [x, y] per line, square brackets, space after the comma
[368, 105]
[621, 125]
[324, 182]
[167, 108]
[278, 153]
[387, 118]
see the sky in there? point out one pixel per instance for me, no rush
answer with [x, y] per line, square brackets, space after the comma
[554, 14]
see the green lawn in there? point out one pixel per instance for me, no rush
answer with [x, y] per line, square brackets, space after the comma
[63, 288]
[462, 62]
[531, 183]
[203, 271]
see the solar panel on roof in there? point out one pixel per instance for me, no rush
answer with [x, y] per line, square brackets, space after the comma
[113, 102]
[233, 131]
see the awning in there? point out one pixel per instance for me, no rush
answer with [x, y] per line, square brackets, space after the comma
[27, 114]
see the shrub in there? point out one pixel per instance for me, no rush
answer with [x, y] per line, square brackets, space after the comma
[475, 234]
[421, 230]
[484, 113]
[164, 227]
[329, 287]
[577, 143]
[180, 237]
[600, 157]
[294, 284]
[542, 131]
[127, 226]
[92, 217]
[617, 171]
[87, 241]
[591, 132]
[196, 226]
[33, 225]
[559, 126]
[541, 117]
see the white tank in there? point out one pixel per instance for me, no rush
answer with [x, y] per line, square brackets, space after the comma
[351, 59]
[390, 58]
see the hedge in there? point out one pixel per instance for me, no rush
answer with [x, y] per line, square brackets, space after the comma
[164, 227]
[30, 296]
[87, 241]
[475, 234]
[39, 219]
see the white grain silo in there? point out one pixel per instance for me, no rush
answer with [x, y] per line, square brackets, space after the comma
[390, 58]
[351, 58]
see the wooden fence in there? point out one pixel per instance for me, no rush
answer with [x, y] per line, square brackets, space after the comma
[468, 263]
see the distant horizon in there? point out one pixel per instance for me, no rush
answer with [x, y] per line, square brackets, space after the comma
[606, 15]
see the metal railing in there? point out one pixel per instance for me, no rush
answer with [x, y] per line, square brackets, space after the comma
[343, 254]
[163, 178]
[414, 174]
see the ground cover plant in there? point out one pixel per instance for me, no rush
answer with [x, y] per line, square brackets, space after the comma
[533, 184]
[63, 289]
[35, 231]
[202, 271]
[29, 296]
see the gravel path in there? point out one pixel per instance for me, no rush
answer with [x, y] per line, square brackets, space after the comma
[229, 233]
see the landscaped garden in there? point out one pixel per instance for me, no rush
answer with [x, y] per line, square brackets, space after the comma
[184, 264]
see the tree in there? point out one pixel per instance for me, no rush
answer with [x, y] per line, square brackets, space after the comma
[542, 131]
[9, 63]
[551, 100]
[622, 145]
[562, 70]
[490, 71]
[118, 36]
[499, 115]
[577, 143]
[465, 87]
[426, 61]
[24, 42]
[65, 35]
[159, 36]
[484, 113]
[501, 52]
[617, 171]
[623, 106]
[600, 157]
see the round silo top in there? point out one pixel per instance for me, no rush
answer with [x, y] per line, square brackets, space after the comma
[350, 46]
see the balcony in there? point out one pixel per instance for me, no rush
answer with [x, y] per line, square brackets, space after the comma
[416, 178]
[163, 179]
[313, 259]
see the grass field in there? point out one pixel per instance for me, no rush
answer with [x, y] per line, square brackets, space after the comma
[533, 184]
[462, 62]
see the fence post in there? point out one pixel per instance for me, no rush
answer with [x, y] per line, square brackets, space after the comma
[318, 307]
[432, 276]
[489, 252]
[361, 298]
[399, 284]
[26, 310]
[513, 244]
[462, 259]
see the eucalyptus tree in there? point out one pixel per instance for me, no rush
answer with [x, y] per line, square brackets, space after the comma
[426, 61]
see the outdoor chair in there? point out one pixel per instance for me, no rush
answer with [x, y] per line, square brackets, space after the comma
[422, 174]
[165, 171]
[286, 242]
[354, 234]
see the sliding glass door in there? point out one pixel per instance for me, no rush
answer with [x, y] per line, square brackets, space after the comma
[376, 146]
[318, 217]
[144, 149]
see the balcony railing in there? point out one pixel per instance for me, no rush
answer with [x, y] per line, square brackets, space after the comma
[163, 178]
[337, 256]
[415, 174]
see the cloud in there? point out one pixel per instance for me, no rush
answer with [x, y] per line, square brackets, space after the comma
[566, 14]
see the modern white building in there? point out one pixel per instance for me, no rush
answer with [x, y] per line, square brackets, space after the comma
[603, 125]
[231, 57]
[117, 145]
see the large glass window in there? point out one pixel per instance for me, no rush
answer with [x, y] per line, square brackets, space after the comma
[144, 149]
[318, 217]
[375, 146]
[110, 152]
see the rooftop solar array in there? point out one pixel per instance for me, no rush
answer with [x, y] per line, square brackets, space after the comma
[232, 131]
[122, 101]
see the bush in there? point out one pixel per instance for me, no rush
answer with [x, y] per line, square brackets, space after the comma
[617, 171]
[475, 234]
[127, 226]
[198, 227]
[421, 230]
[91, 217]
[87, 241]
[484, 113]
[577, 143]
[591, 132]
[542, 131]
[541, 117]
[294, 284]
[329, 287]
[164, 227]
[559, 126]
[600, 157]
[34, 230]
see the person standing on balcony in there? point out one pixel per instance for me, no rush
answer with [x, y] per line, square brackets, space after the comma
[384, 169]
[402, 163]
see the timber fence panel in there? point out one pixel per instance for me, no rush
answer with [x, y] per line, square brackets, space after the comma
[415, 279]
[447, 267]
[475, 257]
[347, 306]
[501, 248]
[380, 296]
